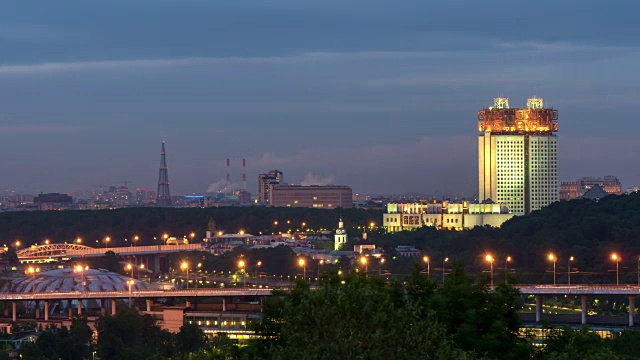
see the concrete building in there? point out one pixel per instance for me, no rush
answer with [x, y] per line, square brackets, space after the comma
[323, 197]
[577, 189]
[444, 215]
[145, 196]
[517, 155]
[53, 198]
[266, 182]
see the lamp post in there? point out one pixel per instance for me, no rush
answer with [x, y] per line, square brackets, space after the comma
[130, 283]
[241, 264]
[569, 270]
[443, 269]
[81, 270]
[302, 263]
[79, 241]
[363, 261]
[553, 258]
[381, 261]
[199, 270]
[17, 244]
[106, 242]
[129, 267]
[165, 237]
[33, 271]
[506, 270]
[489, 258]
[134, 239]
[192, 235]
[141, 267]
[185, 266]
[258, 264]
[617, 259]
[426, 260]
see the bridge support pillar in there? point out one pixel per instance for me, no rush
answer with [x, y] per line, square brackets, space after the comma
[156, 263]
[6, 311]
[113, 307]
[538, 308]
[79, 307]
[70, 309]
[188, 303]
[149, 302]
[224, 304]
[46, 310]
[14, 310]
[103, 310]
[36, 306]
[632, 306]
[584, 309]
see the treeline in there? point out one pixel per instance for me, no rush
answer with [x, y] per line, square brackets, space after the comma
[147, 223]
[589, 231]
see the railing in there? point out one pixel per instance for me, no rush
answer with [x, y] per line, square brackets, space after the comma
[56, 295]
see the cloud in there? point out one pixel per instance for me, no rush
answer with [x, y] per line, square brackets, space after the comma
[312, 179]
[16, 129]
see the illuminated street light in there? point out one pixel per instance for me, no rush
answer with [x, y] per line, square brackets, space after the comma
[130, 283]
[79, 240]
[617, 259]
[129, 267]
[569, 270]
[33, 271]
[185, 266]
[506, 270]
[302, 263]
[106, 241]
[46, 241]
[553, 258]
[80, 269]
[242, 264]
[425, 259]
[489, 258]
[134, 239]
[443, 269]
[165, 237]
[258, 264]
[381, 261]
[364, 262]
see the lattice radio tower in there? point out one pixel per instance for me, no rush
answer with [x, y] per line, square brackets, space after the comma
[164, 196]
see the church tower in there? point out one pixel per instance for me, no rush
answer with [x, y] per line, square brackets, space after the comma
[341, 236]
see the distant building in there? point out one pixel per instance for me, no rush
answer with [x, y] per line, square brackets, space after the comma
[518, 155]
[323, 197]
[145, 196]
[595, 193]
[444, 215]
[266, 182]
[407, 251]
[53, 198]
[341, 236]
[122, 197]
[577, 189]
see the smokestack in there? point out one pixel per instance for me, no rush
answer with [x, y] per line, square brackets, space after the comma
[244, 175]
[228, 171]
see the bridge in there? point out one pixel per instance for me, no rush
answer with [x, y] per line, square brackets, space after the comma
[583, 291]
[54, 252]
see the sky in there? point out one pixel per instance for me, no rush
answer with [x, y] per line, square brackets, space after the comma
[379, 95]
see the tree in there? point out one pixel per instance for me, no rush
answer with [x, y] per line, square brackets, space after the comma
[190, 338]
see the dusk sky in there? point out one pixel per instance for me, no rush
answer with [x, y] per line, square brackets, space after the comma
[379, 95]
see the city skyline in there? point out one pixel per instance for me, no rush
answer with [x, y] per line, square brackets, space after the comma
[368, 95]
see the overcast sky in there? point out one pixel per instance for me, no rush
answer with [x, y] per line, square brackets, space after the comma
[379, 95]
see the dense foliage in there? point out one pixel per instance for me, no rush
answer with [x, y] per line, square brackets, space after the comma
[589, 231]
[147, 223]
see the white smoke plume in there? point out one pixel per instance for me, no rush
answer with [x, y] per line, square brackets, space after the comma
[311, 179]
[221, 186]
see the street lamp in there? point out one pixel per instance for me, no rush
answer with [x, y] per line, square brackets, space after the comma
[302, 263]
[33, 271]
[426, 260]
[489, 258]
[381, 261]
[17, 243]
[129, 267]
[46, 241]
[617, 259]
[106, 242]
[134, 239]
[554, 259]
[130, 283]
[364, 262]
[80, 269]
[165, 237]
[443, 269]
[141, 267]
[79, 240]
[242, 264]
[199, 267]
[185, 266]
[506, 270]
[258, 264]
[569, 270]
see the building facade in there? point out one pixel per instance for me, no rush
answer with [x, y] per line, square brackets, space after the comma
[517, 155]
[340, 238]
[444, 215]
[266, 182]
[323, 197]
[576, 189]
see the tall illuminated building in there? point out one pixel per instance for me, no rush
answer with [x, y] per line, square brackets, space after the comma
[518, 155]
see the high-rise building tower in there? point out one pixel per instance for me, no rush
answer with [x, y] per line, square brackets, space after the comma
[164, 196]
[266, 182]
[518, 155]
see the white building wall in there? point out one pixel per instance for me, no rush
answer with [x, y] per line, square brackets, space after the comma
[543, 170]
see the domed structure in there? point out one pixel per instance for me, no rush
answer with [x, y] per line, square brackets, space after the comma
[70, 280]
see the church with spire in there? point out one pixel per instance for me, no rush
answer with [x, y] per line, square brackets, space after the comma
[340, 236]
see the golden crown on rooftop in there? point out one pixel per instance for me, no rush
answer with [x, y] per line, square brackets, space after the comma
[500, 118]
